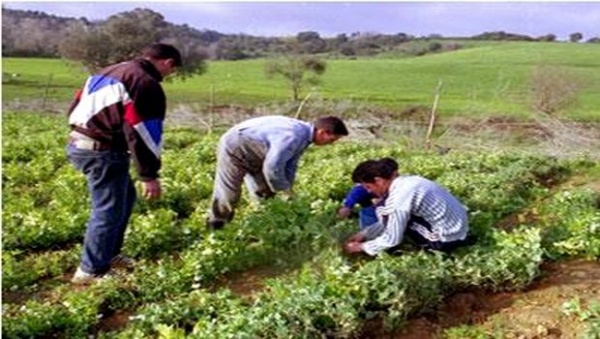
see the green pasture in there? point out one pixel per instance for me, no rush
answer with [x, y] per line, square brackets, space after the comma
[482, 80]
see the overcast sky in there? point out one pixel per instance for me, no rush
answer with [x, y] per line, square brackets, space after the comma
[332, 18]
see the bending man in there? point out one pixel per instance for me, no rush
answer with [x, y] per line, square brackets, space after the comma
[264, 152]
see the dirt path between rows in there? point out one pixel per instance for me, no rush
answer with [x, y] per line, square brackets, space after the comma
[536, 312]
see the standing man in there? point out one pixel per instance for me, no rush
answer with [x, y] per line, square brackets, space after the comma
[264, 152]
[414, 206]
[118, 114]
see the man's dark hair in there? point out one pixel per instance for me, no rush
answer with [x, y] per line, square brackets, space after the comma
[368, 170]
[160, 51]
[332, 125]
[390, 164]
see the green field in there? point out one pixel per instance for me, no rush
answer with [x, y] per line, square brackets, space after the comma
[182, 284]
[483, 80]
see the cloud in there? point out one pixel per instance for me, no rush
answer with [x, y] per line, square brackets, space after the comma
[332, 18]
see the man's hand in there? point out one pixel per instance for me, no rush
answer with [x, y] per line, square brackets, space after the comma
[356, 237]
[151, 189]
[344, 212]
[353, 247]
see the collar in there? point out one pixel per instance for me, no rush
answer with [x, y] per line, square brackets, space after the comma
[150, 69]
[311, 133]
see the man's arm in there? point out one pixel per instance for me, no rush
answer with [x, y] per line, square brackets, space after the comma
[354, 243]
[143, 127]
[291, 168]
[282, 151]
[391, 236]
[373, 231]
[352, 198]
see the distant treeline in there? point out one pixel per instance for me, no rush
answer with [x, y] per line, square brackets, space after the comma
[37, 34]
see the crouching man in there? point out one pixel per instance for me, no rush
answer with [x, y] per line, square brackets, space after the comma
[414, 206]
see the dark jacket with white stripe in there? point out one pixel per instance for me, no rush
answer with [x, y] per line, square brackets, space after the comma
[123, 106]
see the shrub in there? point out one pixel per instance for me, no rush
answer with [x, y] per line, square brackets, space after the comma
[553, 89]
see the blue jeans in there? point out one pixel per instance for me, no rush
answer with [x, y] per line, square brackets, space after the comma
[113, 195]
[367, 217]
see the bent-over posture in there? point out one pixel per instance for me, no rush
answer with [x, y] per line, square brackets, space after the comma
[414, 206]
[264, 152]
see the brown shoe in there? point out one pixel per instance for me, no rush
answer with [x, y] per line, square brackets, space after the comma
[215, 225]
[122, 261]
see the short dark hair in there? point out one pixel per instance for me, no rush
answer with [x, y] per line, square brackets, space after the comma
[160, 51]
[332, 125]
[390, 164]
[368, 170]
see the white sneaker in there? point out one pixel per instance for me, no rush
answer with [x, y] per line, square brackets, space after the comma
[122, 261]
[83, 278]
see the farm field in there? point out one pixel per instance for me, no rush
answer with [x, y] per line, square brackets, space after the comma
[485, 79]
[277, 270]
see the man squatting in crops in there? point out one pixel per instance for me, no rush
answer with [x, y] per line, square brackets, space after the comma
[119, 113]
[414, 206]
[359, 195]
[264, 152]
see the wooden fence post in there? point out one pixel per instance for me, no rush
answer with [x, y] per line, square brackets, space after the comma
[302, 104]
[46, 88]
[432, 116]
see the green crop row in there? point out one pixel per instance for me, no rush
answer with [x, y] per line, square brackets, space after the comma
[173, 289]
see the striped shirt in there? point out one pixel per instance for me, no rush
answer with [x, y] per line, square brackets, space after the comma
[416, 196]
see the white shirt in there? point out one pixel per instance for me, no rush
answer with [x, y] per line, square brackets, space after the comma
[416, 196]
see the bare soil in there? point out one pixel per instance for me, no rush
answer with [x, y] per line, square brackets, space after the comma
[533, 313]
[247, 283]
[113, 321]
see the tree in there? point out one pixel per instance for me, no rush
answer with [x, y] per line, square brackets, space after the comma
[123, 36]
[193, 56]
[548, 37]
[230, 49]
[553, 88]
[307, 36]
[311, 42]
[87, 45]
[296, 69]
[131, 31]
[575, 37]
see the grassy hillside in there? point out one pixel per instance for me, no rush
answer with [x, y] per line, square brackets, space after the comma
[490, 79]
